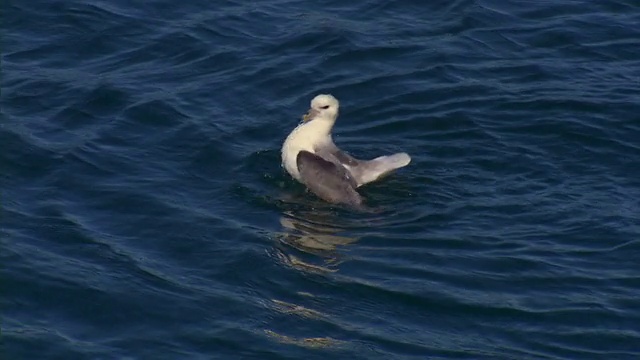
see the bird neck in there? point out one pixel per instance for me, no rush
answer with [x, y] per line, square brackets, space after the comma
[320, 127]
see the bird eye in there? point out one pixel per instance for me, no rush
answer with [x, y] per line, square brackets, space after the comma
[324, 107]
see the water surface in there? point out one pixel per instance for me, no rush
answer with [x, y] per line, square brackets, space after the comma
[145, 214]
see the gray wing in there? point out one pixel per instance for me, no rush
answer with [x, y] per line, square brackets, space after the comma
[329, 181]
[365, 171]
[331, 151]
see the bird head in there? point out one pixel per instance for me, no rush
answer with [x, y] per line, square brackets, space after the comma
[324, 107]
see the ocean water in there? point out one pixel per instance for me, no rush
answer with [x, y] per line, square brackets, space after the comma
[145, 214]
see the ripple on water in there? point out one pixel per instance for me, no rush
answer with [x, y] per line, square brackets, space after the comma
[145, 213]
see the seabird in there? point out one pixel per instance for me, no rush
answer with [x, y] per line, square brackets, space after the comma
[310, 156]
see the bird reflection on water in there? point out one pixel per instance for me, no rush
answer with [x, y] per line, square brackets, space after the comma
[307, 238]
[310, 243]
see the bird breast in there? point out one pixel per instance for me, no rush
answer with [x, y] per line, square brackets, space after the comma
[307, 137]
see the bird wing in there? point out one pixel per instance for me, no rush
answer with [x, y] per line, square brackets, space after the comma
[365, 171]
[372, 170]
[328, 180]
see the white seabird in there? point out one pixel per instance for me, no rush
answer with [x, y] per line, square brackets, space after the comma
[310, 156]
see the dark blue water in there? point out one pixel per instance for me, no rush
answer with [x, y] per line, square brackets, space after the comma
[145, 214]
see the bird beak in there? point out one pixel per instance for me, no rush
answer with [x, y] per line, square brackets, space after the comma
[310, 115]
